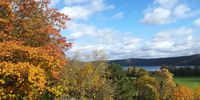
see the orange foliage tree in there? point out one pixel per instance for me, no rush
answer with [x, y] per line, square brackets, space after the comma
[182, 93]
[197, 93]
[31, 49]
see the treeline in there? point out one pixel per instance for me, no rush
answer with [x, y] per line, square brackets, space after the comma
[158, 85]
[185, 71]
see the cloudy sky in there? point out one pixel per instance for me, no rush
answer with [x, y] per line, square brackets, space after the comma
[132, 28]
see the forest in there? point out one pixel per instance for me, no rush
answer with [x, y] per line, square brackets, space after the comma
[34, 66]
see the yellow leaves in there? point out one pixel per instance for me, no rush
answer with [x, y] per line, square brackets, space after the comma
[15, 76]
[89, 77]
[144, 80]
[87, 81]
[37, 77]
[57, 90]
[160, 84]
[88, 69]
[148, 87]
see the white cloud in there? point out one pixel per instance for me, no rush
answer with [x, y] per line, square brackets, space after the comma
[118, 15]
[117, 45]
[77, 12]
[167, 43]
[82, 30]
[197, 22]
[167, 11]
[166, 3]
[54, 3]
[173, 34]
[181, 11]
[90, 38]
[83, 9]
[72, 2]
[157, 16]
[174, 42]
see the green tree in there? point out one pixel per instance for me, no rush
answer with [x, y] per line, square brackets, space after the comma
[123, 86]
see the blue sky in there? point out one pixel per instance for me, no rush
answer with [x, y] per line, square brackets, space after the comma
[132, 28]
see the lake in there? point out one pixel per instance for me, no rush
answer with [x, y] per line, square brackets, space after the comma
[148, 68]
[152, 68]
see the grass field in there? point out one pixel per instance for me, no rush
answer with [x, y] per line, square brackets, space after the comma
[191, 82]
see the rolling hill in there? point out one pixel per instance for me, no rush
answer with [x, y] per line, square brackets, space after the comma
[193, 60]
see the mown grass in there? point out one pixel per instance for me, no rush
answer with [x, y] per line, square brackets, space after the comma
[191, 82]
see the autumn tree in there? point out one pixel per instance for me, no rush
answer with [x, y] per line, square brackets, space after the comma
[182, 93]
[166, 83]
[147, 87]
[88, 80]
[197, 93]
[141, 72]
[31, 49]
[155, 86]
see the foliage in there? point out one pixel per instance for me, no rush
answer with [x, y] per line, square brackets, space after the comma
[21, 79]
[185, 71]
[197, 93]
[147, 87]
[32, 49]
[136, 72]
[117, 72]
[166, 83]
[123, 86]
[88, 80]
[182, 93]
[142, 72]
[133, 71]
[155, 86]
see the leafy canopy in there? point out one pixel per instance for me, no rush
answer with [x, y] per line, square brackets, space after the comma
[32, 49]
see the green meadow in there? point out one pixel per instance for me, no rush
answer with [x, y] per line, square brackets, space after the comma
[191, 82]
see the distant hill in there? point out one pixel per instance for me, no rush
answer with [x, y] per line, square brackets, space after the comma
[193, 60]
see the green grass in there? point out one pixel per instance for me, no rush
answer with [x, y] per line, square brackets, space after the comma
[191, 82]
